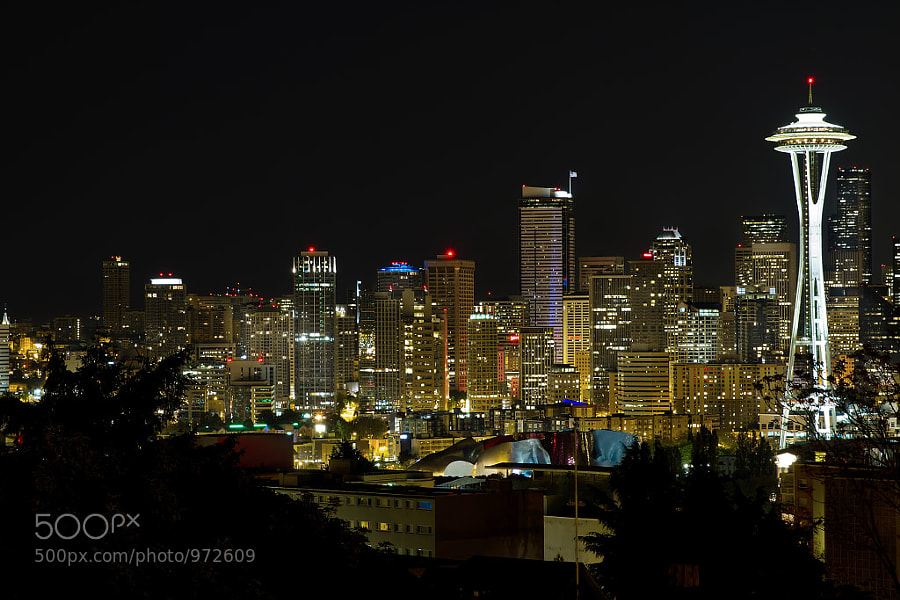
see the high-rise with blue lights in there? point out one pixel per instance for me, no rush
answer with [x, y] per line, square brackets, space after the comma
[547, 260]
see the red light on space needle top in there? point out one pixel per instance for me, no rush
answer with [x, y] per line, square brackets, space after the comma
[450, 253]
[810, 81]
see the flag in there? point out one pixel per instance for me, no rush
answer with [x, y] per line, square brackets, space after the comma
[573, 174]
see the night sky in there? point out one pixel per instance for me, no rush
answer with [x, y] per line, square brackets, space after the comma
[216, 140]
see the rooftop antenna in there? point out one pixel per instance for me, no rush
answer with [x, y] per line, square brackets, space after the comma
[810, 82]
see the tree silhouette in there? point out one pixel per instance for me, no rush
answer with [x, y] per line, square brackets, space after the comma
[671, 532]
[91, 449]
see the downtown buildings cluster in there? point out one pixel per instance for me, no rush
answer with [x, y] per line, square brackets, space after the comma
[632, 340]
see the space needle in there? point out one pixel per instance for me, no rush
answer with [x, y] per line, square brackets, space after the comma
[810, 140]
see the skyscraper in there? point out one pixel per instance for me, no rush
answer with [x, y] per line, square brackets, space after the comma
[451, 283]
[850, 230]
[810, 141]
[398, 276]
[165, 316]
[314, 279]
[547, 261]
[4, 353]
[484, 382]
[674, 253]
[116, 293]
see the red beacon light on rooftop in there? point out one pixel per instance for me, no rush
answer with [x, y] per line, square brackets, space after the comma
[450, 253]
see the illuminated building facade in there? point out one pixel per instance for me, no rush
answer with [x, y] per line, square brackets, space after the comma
[721, 395]
[641, 383]
[696, 332]
[577, 340]
[398, 276]
[165, 317]
[758, 325]
[314, 279]
[895, 272]
[116, 294]
[484, 391]
[408, 358]
[674, 253]
[648, 302]
[4, 353]
[771, 266]
[269, 337]
[537, 347]
[210, 319]
[611, 317]
[451, 283]
[346, 346]
[850, 230]
[547, 261]
[563, 384]
[511, 314]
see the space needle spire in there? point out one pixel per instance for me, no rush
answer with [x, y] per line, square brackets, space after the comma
[810, 141]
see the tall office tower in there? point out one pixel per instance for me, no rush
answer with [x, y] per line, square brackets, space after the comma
[407, 353]
[210, 319]
[423, 346]
[4, 353]
[365, 302]
[165, 316]
[810, 141]
[764, 229]
[547, 261]
[611, 316]
[850, 230]
[641, 383]
[577, 340]
[399, 276]
[116, 293]
[895, 273]
[771, 267]
[314, 278]
[757, 325]
[879, 321]
[346, 347]
[388, 363]
[674, 253]
[537, 344]
[269, 338]
[588, 266]
[648, 301]
[484, 391]
[843, 320]
[511, 314]
[451, 283]
[696, 332]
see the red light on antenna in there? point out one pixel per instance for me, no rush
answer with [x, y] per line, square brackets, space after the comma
[450, 253]
[311, 249]
[810, 80]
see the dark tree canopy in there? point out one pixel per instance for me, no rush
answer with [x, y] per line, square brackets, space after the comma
[91, 447]
[692, 533]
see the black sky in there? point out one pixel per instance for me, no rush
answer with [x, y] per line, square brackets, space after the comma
[216, 140]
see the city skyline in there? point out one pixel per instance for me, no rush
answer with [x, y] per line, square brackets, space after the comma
[394, 133]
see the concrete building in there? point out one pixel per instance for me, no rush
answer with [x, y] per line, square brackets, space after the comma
[537, 347]
[116, 294]
[484, 391]
[577, 339]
